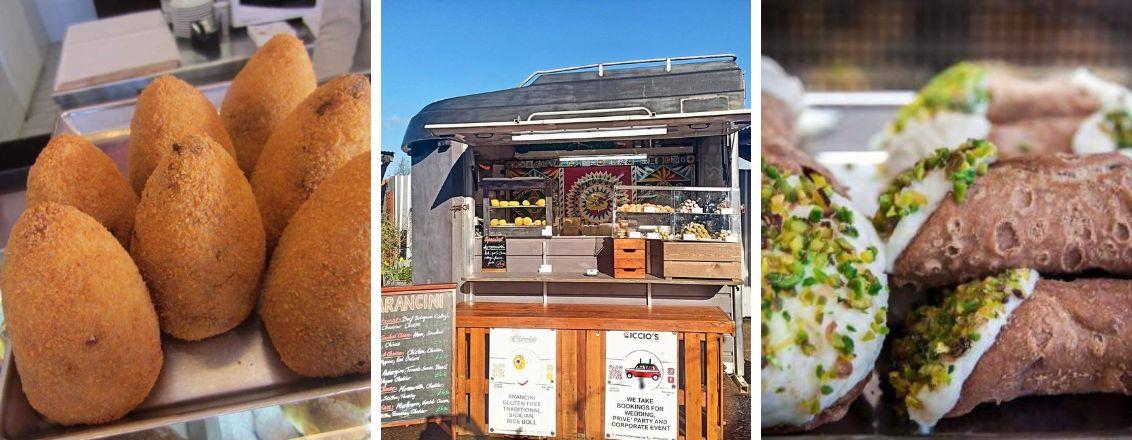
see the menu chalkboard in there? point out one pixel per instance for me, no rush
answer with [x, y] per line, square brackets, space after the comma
[494, 254]
[417, 327]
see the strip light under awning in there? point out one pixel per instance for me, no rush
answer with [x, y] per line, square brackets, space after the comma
[609, 157]
[590, 134]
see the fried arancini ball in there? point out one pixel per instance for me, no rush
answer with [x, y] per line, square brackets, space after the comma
[198, 241]
[326, 130]
[168, 110]
[72, 171]
[84, 334]
[316, 293]
[273, 82]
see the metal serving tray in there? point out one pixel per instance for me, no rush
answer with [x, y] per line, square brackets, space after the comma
[843, 148]
[229, 373]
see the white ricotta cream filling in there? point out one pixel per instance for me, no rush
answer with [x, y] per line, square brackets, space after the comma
[1108, 92]
[938, 402]
[1091, 137]
[790, 380]
[935, 187]
[921, 137]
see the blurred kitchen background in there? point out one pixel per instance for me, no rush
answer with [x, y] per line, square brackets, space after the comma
[57, 55]
[900, 44]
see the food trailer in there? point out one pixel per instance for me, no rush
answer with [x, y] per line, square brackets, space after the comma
[589, 201]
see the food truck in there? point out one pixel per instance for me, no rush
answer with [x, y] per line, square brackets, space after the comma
[596, 197]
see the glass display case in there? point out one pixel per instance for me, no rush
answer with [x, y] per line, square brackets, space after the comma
[518, 206]
[678, 213]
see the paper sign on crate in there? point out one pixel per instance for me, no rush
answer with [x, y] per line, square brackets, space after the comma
[522, 377]
[641, 385]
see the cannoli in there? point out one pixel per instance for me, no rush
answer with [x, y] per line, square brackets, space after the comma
[971, 100]
[824, 299]
[1060, 214]
[1013, 335]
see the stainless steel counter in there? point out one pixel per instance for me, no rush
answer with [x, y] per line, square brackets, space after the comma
[197, 68]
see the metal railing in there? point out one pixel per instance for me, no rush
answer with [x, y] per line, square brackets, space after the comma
[601, 66]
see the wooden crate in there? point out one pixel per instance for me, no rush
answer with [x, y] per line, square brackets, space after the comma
[629, 258]
[580, 330]
[675, 259]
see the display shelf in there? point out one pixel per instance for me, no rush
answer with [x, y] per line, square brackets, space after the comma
[628, 223]
[531, 189]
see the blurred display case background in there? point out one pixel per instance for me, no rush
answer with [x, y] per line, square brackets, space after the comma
[899, 44]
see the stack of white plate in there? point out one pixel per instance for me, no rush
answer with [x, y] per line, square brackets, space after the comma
[183, 13]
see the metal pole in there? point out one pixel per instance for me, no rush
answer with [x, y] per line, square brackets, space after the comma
[545, 297]
[737, 313]
[648, 297]
[472, 292]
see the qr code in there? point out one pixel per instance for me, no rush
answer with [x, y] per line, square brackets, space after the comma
[615, 372]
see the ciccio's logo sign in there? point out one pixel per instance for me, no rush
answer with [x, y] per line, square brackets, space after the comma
[644, 336]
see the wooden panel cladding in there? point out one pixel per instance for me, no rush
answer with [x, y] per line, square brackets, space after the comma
[702, 269]
[581, 363]
[668, 260]
[628, 244]
[629, 258]
[684, 251]
[630, 261]
[629, 273]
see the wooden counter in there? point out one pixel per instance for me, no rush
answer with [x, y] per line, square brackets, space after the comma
[580, 330]
[594, 317]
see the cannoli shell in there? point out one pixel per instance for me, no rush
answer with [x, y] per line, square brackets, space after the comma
[1014, 98]
[1068, 338]
[1045, 135]
[777, 120]
[792, 160]
[1059, 214]
[832, 414]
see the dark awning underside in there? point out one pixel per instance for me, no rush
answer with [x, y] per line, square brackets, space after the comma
[687, 88]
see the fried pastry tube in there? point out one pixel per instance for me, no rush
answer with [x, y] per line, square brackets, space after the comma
[1060, 214]
[1014, 335]
[777, 120]
[1014, 98]
[1038, 136]
[786, 158]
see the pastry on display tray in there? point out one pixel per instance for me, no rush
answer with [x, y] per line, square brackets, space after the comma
[1011, 335]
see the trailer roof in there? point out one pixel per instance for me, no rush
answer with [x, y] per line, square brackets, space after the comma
[705, 87]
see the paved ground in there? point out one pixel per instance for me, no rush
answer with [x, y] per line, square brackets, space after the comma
[736, 411]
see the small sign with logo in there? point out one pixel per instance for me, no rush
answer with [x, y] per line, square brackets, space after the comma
[522, 382]
[641, 385]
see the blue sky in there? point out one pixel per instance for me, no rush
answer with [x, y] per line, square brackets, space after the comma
[431, 50]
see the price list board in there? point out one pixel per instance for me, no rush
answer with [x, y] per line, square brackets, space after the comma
[417, 327]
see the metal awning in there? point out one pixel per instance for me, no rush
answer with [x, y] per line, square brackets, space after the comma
[680, 97]
[648, 125]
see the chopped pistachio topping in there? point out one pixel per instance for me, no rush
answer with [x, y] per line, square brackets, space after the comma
[961, 88]
[1117, 124]
[939, 334]
[808, 255]
[961, 165]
